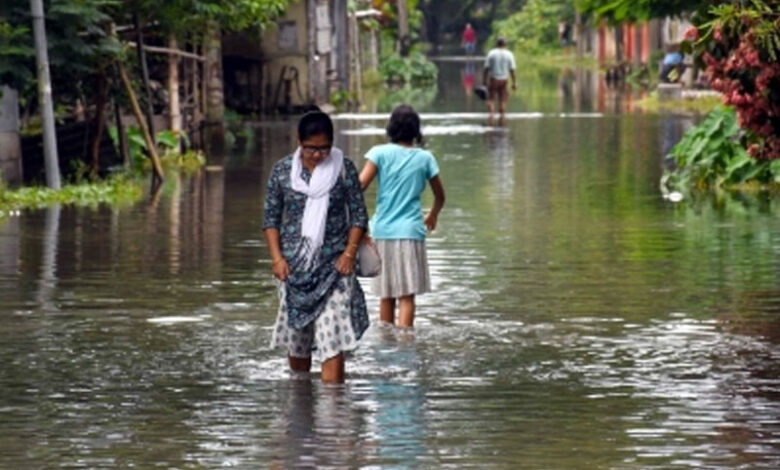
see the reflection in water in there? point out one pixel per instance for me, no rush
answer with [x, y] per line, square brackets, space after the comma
[468, 80]
[319, 427]
[502, 162]
[399, 419]
[47, 282]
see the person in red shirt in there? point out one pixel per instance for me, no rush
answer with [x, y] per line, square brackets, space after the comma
[469, 39]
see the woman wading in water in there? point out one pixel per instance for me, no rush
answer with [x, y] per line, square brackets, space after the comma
[311, 195]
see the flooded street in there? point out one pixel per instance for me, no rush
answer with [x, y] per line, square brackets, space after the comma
[578, 319]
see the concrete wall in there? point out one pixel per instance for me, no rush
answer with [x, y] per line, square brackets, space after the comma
[312, 37]
[287, 44]
[10, 145]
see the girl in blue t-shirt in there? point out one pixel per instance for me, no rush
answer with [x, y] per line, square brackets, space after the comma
[398, 225]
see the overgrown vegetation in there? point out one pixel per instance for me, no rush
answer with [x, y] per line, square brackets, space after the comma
[414, 69]
[534, 29]
[700, 104]
[620, 11]
[712, 155]
[739, 42]
[119, 189]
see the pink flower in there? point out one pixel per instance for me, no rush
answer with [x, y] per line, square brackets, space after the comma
[717, 34]
[691, 34]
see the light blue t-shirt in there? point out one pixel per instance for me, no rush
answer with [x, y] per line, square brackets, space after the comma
[402, 174]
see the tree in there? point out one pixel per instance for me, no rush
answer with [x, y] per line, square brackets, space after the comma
[623, 11]
[535, 27]
[480, 13]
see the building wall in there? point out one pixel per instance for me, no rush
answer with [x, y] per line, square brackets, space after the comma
[312, 39]
[286, 46]
[10, 145]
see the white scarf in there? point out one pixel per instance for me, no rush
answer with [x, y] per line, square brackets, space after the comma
[315, 213]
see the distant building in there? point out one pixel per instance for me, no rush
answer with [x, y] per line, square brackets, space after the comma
[297, 63]
[633, 43]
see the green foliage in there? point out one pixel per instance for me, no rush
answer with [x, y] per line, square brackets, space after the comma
[534, 29]
[698, 104]
[188, 162]
[757, 20]
[192, 17]
[116, 190]
[79, 45]
[372, 78]
[342, 99]
[16, 54]
[620, 11]
[711, 156]
[167, 143]
[413, 69]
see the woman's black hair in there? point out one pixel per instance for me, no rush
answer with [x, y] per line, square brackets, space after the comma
[404, 125]
[315, 123]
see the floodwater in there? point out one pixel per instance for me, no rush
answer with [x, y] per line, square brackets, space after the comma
[578, 319]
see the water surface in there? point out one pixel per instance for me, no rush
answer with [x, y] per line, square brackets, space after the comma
[578, 319]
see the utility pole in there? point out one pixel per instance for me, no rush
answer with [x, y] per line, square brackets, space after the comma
[44, 96]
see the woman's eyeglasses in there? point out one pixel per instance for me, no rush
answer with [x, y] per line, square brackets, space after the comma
[312, 149]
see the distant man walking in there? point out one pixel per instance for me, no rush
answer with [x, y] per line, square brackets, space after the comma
[499, 66]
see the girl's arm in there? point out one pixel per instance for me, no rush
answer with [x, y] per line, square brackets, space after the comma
[438, 202]
[358, 219]
[368, 174]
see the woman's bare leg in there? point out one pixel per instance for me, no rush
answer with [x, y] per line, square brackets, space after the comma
[406, 311]
[387, 310]
[299, 364]
[333, 369]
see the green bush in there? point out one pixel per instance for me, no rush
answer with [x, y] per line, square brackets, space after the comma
[413, 69]
[534, 29]
[116, 190]
[712, 156]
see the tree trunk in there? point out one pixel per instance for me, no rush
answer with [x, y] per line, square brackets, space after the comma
[10, 140]
[174, 107]
[215, 98]
[373, 51]
[44, 96]
[403, 28]
[100, 121]
[121, 134]
[579, 36]
[157, 166]
[139, 39]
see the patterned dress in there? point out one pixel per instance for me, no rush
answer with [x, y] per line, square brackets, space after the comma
[320, 291]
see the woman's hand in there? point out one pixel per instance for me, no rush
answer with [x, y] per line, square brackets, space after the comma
[345, 264]
[281, 269]
[430, 221]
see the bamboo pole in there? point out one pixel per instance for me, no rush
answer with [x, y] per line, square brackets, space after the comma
[174, 107]
[169, 51]
[139, 115]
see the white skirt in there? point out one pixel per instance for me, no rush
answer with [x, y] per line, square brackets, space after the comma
[404, 269]
[330, 334]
